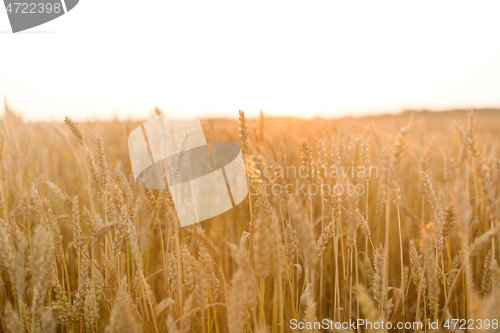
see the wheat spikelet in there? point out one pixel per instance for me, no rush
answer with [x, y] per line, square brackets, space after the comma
[261, 126]
[181, 154]
[369, 272]
[151, 199]
[353, 223]
[3, 211]
[280, 181]
[262, 248]
[171, 325]
[307, 299]
[290, 243]
[200, 290]
[367, 307]
[200, 296]
[323, 240]
[7, 254]
[322, 162]
[364, 227]
[186, 319]
[429, 190]
[84, 283]
[495, 275]
[398, 149]
[336, 157]
[378, 278]
[173, 276]
[438, 234]
[491, 304]
[396, 194]
[11, 320]
[430, 267]
[304, 234]
[101, 163]
[93, 172]
[487, 277]
[244, 136]
[57, 240]
[242, 292]
[366, 158]
[134, 246]
[43, 270]
[40, 205]
[92, 221]
[276, 246]
[20, 274]
[308, 162]
[256, 207]
[187, 269]
[385, 182]
[75, 129]
[122, 319]
[465, 254]
[345, 147]
[90, 309]
[449, 218]
[121, 228]
[481, 171]
[77, 231]
[214, 285]
[417, 272]
[2, 145]
[98, 280]
[48, 322]
[61, 306]
[389, 308]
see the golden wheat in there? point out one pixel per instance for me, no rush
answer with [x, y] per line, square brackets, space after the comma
[336, 216]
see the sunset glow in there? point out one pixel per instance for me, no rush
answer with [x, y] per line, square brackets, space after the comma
[328, 59]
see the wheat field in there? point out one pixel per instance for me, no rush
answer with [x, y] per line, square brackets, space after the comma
[390, 219]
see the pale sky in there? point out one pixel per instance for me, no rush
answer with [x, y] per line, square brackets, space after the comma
[305, 59]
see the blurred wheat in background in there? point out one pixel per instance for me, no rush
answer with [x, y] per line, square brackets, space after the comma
[84, 249]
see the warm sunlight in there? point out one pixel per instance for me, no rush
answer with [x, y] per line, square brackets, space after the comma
[249, 167]
[325, 59]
